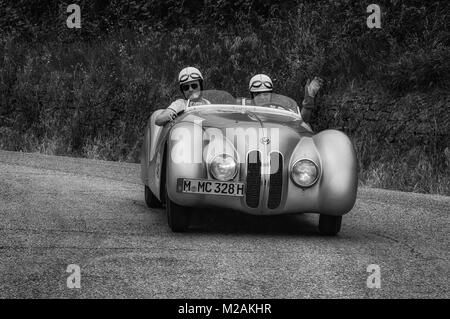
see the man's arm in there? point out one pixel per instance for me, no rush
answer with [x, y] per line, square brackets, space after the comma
[170, 113]
[307, 108]
[165, 116]
[308, 105]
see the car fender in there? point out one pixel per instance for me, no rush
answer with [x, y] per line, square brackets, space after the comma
[339, 177]
[151, 150]
[184, 159]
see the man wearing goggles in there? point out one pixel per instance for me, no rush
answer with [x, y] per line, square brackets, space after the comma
[261, 89]
[191, 85]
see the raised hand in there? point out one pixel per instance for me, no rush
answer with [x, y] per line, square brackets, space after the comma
[313, 87]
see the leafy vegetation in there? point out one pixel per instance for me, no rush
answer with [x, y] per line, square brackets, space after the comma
[89, 92]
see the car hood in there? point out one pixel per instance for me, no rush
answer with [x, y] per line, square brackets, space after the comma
[289, 129]
[229, 119]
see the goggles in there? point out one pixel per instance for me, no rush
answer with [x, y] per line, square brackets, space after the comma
[193, 76]
[258, 84]
[185, 87]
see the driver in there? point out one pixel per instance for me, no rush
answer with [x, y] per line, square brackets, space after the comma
[261, 88]
[191, 85]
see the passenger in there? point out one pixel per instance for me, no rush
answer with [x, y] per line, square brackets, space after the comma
[261, 90]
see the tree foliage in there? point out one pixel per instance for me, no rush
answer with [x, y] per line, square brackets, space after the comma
[89, 91]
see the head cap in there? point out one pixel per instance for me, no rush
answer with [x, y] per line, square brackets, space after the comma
[260, 83]
[189, 74]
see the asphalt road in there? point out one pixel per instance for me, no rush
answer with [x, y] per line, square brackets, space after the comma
[57, 211]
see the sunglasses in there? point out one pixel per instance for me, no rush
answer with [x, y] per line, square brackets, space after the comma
[194, 76]
[257, 84]
[185, 87]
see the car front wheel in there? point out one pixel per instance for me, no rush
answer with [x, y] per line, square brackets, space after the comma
[150, 199]
[178, 217]
[329, 225]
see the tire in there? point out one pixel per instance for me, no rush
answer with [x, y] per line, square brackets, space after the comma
[178, 217]
[150, 199]
[329, 225]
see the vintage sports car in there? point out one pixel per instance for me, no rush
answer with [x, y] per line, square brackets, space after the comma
[258, 159]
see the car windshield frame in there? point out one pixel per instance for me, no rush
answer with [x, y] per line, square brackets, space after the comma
[221, 97]
[271, 100]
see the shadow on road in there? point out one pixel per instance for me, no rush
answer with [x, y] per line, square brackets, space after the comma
[232, 222]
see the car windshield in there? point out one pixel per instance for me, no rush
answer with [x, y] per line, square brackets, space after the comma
[218, 97]
[276, 101]
[270, 100]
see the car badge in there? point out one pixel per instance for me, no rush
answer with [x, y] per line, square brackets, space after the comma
[265, 140]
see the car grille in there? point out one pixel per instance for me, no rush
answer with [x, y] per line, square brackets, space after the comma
[276, 180]
[253, 179]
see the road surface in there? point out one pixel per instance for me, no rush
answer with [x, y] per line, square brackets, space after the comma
[59, 211]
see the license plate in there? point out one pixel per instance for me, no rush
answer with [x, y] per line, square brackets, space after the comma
[201, 186]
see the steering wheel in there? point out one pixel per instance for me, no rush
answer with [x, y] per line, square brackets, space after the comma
[277, 106]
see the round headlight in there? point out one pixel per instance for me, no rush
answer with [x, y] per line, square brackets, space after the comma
[304, 173]
[223, 167]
